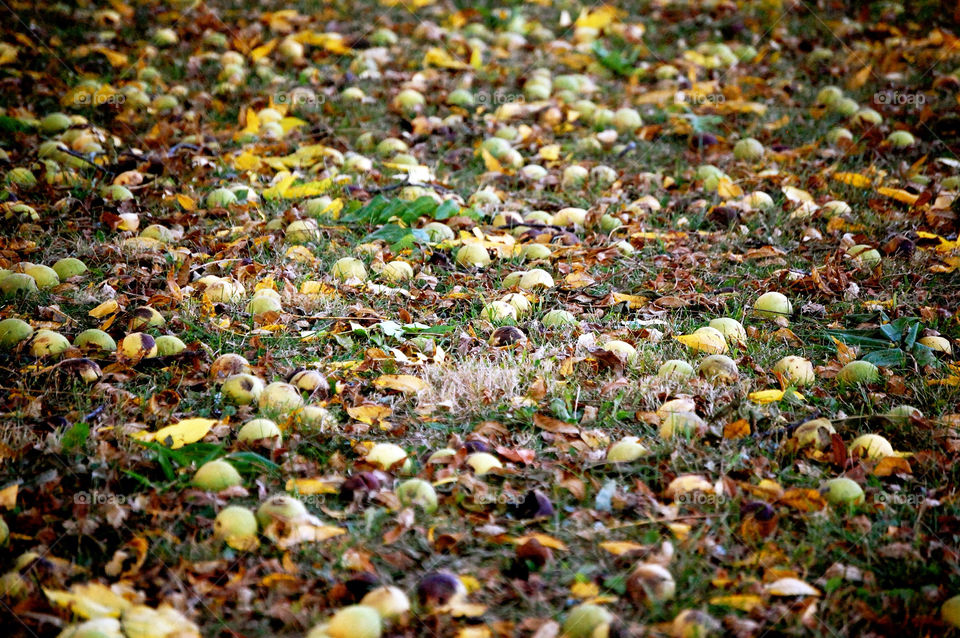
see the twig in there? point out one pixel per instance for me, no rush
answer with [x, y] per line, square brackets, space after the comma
[80, 156]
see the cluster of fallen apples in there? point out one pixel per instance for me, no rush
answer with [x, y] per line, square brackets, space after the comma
[282, 402]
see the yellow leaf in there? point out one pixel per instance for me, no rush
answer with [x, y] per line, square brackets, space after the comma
[8, 496]
[368, 412]
[543, 539]
[470, 582]
[797, 195]
[583, 590]
[727, 189]
[93, 600]
[186, 202]
[180, 434]
[263, 50]
[113, 57]
[247, 161]
[619, 548]
[490, 161]
[770, 396]
[743, 602]
[8, 53]
[474, 632]
[401, 382]
[310, 189]
[438, 57]
[600, 17]
[899, 194]
[703, 342]
[737, 429]
[550, 152]
[280, 188]
[633, 301]
[579, 279]
[253, 123]
[290, 123]
[853, 179]
[301, 254]
[312, 486]
[860, 78]
[476, 58]
[104, 309]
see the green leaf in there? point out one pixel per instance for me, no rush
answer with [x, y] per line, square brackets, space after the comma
[923, 354]
[911, 338]
[74, 438]
[889, 358]
[446, 210]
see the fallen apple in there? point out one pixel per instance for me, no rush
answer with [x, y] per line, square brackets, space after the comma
[797, 370]
[558, 318]
[145, 317]
[397, 271]
[136, 346]
[650, 584]
[584, 619]
[483, 463]
[748, 149]
[390, 602]
[227, 365]
[626, 450]
[236, 525]
[815, 433]
[622, 349]
[311, 381]
[243, 388]
[95, 339]
[473, 256]
[419, 493]
[387, 455]
[858, 372]
[718, 368]
[570, 216]
[302, 231]
[536, 278]
[257, 429]
[69, 267]
[772, 305]
[950, 611]
[280, 397]
[901, 139]
[731, 329]
[675, 369]
[261, 304]
[866, 256]
[842, 491]
[14, 331]
[45, 276]
[903, 413]
[693, 623]
[683, 424]
[17, 283]
[506, 336]
[168, 345]
[48, 343]
[871, 446]
[282, 508]
[54, 123]
[499, 312]
[217, 475]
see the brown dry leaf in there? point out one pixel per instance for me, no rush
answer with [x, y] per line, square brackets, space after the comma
[555, 426]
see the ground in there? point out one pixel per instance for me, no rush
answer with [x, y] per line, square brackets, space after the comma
[442, 251]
